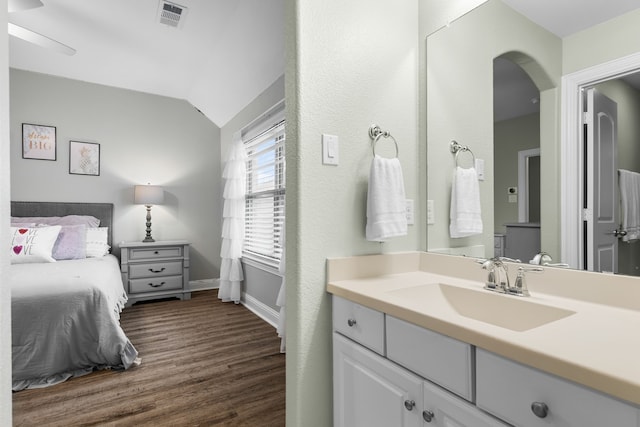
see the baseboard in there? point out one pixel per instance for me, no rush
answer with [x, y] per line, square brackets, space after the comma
[259, 308]
[204, 284]
[262, 310]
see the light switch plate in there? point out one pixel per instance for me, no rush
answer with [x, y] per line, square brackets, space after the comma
[330, 150]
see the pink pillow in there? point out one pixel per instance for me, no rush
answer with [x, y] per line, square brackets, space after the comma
[33, 244]
[71, 242]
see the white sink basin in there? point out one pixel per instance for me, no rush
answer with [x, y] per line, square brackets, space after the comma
[507, 311]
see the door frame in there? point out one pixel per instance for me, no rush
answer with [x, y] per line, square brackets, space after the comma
[523, 182]
[572, 185]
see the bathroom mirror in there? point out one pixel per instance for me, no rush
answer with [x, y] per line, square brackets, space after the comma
[463, 59]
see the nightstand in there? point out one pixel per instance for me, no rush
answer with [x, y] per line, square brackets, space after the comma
[155, 270]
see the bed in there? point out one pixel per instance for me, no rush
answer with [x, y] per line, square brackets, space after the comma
[65, 312]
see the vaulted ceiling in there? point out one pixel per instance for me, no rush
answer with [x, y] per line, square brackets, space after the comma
[221, 56]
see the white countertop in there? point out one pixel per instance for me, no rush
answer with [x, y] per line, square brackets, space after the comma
[597, 346]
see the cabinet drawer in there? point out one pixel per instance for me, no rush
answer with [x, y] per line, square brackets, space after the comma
[153, 253]
[441, 359]
[359, 323]
[508, 389]
[152, 269]
[153, 284]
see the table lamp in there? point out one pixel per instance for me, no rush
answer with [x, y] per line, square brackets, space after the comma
[148, 195]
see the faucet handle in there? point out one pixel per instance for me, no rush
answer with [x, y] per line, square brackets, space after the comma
[520, 286]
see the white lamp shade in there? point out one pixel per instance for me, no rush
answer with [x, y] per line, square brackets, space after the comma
[148, 195]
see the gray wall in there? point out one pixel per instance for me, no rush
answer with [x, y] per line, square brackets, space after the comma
[510, 136]
[262, 284]
[143, 138]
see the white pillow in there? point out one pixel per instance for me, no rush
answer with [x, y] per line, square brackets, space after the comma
[33, 244]
[97, 242]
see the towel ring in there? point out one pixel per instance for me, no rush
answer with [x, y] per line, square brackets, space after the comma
[457, 149]
[386, 135]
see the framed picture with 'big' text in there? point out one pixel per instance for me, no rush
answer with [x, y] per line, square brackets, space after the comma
[38, 142]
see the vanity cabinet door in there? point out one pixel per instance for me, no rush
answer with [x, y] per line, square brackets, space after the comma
[370, 391]
[525, 396]
[443, 409]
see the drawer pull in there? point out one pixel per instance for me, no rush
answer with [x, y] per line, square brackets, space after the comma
[153, 285]
[156, 271]
[351, 322]
[540, 409]
[409, 404]
[428, 416]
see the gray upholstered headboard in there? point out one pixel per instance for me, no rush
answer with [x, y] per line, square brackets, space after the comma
[102, 211]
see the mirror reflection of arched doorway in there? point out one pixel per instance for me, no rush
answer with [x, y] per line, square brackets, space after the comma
[516, 105]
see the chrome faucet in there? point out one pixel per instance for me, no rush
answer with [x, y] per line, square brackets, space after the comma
[498, 276]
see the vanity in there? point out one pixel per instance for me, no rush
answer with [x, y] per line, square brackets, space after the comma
[418, 341]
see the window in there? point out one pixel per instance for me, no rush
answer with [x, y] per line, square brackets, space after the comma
[264, 216]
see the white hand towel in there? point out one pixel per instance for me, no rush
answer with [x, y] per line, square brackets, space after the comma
[465, 216]
[630, 204]
[386, 205]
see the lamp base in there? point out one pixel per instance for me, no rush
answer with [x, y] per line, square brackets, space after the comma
[148, 238]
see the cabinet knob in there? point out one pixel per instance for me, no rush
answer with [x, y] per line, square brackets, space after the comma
[351, 322]
[156, 252]
[427, 415]
[540, 409]
[409, 404]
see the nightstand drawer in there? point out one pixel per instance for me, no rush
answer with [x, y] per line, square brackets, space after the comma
[153, 284]
[152, 269]
[153, 253]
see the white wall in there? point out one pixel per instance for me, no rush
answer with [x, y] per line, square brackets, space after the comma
[143, 138]
[610, 40]
[5, 197]
[349, 64]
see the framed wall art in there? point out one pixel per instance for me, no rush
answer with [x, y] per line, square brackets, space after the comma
[84, 158]
[38, 142]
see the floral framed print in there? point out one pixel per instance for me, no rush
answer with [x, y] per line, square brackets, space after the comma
[38, 142]
[84, 158]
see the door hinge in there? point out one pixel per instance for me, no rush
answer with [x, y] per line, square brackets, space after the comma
[587, 215]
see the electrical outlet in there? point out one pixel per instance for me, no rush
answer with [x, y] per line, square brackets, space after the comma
[431, 215]
[410, 215]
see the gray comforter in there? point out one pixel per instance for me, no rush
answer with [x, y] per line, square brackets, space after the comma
[65, 320]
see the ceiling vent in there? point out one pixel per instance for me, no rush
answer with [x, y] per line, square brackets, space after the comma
[171, 14]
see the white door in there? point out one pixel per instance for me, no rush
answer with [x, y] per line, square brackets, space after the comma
[602, 196]
[370, 391]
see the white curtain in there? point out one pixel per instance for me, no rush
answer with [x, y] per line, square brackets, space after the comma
[280, 301]
[234, 173]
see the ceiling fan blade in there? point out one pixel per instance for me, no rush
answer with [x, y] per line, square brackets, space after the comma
[20, 5]
[39, 39]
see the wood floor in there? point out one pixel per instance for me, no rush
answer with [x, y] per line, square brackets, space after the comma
[203, 363]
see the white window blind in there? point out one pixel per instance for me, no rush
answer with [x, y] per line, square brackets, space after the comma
[265, 213]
